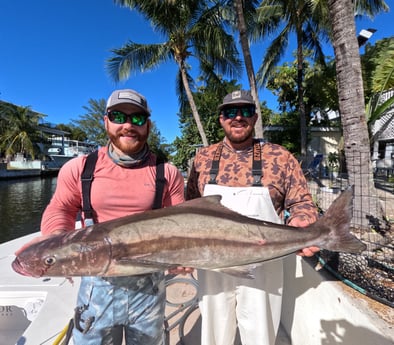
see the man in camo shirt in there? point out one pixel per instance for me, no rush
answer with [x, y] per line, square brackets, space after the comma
[260, 180]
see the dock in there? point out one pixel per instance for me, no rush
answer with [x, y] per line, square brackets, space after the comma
[17, 169]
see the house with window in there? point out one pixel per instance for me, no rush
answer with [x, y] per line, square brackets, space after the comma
[383, 138]
[323, 141]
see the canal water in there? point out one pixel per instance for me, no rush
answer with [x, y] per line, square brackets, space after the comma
[22, 202]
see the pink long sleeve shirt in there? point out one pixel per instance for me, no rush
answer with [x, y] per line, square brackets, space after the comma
[116, 191]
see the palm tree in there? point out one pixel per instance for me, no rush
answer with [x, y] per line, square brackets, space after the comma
[92, 122]
[378, 70]
[352, 108]
[20, 129]
[304, 18]
[191, 30]
[241, 15]
[309, 20]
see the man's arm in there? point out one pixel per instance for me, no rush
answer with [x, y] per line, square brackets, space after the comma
[299, 202]
[176, 187]
[61, 212]
[192, 190]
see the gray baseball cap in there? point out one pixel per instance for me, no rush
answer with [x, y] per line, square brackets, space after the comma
[237, 97]
[128, 96]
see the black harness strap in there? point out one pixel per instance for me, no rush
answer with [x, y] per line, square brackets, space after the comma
[257, 168]
[215, 164]
[160, 183]
[87, 178]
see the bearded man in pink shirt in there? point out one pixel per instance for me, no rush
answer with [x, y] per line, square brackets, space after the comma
[124, 182]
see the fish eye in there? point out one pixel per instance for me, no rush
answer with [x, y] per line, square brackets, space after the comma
[49, 261]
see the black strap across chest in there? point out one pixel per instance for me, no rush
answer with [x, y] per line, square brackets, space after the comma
[257, 168]
[160, 183]
[87, 178]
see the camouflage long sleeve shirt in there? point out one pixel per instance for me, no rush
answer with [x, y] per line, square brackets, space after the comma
[281, 174]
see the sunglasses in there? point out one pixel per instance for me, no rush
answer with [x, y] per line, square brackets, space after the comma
[118, 117]
[246, 111]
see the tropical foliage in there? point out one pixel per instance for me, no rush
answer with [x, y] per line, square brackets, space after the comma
[19, 130]
[205, 34]
[73, 132]
[240, 17]
[320, 92]
[304, 19]
[92, 122]
[207, 101]
[191, 29]
[378, 63]
[378, 72]
[352, 108]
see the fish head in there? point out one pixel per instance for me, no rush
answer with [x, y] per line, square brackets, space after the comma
[58, 256]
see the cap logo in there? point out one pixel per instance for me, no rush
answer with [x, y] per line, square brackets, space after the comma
[133, 97]
[236, 94]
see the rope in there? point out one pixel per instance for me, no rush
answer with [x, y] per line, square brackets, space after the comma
[65, 331]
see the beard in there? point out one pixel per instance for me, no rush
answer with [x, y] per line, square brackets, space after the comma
[239, 137]
[130, 146]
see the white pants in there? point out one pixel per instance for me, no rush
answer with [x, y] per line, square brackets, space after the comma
[254, 305]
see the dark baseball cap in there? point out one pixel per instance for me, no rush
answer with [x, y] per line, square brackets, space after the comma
[128, 96]
[237, 97]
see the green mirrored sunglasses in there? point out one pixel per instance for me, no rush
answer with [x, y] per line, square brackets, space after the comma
[119, 117]
[245, 111]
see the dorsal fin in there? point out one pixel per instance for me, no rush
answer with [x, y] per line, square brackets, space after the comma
[203, 201]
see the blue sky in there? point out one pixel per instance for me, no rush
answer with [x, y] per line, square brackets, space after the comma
[53, 55]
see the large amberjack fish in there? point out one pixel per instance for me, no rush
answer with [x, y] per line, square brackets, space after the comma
[199, 233]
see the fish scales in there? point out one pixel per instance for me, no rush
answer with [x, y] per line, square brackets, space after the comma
[199, 233]
[223, 244]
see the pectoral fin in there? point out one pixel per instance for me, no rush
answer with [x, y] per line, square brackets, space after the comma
[246, 271]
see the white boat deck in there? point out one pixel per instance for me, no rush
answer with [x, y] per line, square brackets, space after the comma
[32, 310]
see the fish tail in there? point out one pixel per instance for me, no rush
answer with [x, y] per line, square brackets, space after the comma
[338, 219]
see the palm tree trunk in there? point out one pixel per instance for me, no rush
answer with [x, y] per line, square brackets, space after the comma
[300, 92]
[192, 103]
[352, 108]
[258, 128]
